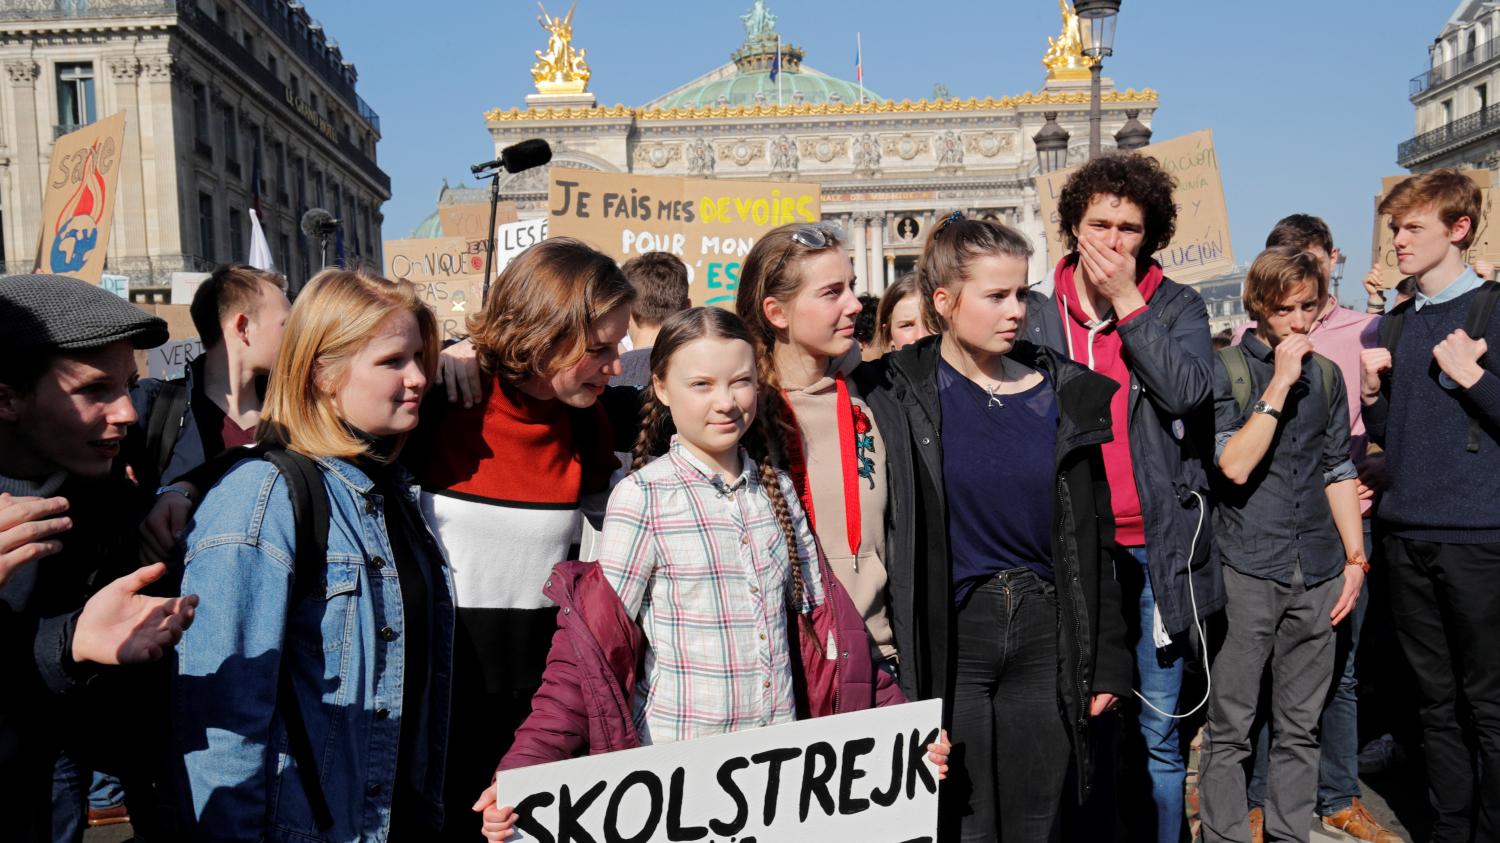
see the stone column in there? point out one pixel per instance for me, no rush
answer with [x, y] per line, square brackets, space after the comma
[130, 231]
[857, 252]
[877, 254]
[1039, 271]
[890, 271]
[24, 204]
[163, 126]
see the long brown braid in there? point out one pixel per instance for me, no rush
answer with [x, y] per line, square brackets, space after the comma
[679, 330]
[772, 270]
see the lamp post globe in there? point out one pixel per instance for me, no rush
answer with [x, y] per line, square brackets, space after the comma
[1096, 28]
[1051, 144]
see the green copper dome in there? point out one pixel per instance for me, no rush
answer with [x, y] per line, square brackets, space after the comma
[747, 81]
[756, 88]
[429, 228]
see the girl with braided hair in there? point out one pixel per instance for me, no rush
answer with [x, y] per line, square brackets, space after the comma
[704, 531]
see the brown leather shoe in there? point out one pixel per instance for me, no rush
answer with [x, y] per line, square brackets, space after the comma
[1356, 822]
[1257, 825]
[113, 815]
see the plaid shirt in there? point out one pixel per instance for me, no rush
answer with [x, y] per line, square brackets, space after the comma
[706, 572]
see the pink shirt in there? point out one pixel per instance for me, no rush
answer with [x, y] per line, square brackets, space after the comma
[1340, 334]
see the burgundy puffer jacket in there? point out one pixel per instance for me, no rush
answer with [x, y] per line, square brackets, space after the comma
[585, 702]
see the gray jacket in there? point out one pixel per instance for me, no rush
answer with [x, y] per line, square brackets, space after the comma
[1170, 357]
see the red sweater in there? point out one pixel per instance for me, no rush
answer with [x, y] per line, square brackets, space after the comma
[1097, 345]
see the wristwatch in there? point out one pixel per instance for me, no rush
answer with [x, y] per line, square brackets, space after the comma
[1263, 407]
[164, 490]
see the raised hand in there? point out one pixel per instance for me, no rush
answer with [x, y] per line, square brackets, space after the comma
[27, 525]
[119, 625]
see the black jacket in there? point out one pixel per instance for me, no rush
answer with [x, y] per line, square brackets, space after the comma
[902, 390]
[1170, 356]
[49, 702]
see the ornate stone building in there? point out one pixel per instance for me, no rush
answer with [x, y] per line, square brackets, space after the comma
[215, 92]
[1457, 112]
[887, 169]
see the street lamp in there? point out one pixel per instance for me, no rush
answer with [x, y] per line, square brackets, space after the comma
[1134, 134]
[1097, 29]
[1051, 144]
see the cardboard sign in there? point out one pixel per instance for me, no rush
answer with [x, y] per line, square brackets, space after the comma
[1484, 247]
[168, 361]
[851, 777]
[448, 273]
[470, 221]
[1201, 247]
[185, 285]
[513, 238]
[709, 223]
[80, 200]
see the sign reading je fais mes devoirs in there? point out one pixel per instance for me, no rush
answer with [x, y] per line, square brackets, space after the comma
[710, 223]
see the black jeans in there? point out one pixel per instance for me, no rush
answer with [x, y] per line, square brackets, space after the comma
[1446, 601]
[1010, 744]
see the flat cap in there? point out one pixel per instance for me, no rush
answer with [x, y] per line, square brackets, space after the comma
[51, 313]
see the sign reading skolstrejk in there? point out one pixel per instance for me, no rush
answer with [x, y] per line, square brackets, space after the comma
[852, 777]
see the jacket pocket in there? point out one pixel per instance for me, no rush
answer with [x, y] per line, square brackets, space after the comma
[331, 605]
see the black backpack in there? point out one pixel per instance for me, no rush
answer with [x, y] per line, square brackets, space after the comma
[304, 482]
[163, 423]
[1478, 320]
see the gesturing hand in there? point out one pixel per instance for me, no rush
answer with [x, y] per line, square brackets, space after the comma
[27, 525]
[1372, 361]
[1458, 356]
[119, 625]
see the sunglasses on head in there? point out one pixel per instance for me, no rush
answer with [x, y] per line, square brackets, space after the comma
[816, 235]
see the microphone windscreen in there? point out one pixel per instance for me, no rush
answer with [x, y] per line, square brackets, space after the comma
[525, 155]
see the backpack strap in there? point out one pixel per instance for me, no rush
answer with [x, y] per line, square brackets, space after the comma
[1238, 369]
[1478, 322]
[1329, 377]
[168, 411]
[310, 512]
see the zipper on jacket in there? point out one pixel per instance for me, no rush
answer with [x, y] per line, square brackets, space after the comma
[1083, 700]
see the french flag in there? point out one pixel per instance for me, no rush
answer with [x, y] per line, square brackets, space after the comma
[859, 62]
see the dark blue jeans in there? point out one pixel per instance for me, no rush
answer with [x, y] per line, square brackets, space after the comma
[70, 790]
[1159, 678]
[1011, 748]
[1338, 761]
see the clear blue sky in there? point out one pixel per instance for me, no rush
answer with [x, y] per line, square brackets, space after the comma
[1307, 100]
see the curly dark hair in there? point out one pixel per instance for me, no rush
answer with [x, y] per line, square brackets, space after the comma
[1139, 178]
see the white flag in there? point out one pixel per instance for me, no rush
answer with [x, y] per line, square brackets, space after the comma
[260, 250]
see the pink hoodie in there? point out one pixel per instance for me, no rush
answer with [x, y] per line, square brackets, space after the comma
[1098, 346]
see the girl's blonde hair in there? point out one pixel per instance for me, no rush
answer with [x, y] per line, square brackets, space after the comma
[334, 316]
[541, 309]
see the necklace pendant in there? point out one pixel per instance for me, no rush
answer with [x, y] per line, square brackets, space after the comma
[994, 399]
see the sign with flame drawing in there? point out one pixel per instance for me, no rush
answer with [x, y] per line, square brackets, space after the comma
[80, 200]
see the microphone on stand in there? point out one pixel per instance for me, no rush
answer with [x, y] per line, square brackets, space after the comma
[521, 156]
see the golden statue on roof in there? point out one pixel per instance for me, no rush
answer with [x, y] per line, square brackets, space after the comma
[561, 70]
[1065, 58]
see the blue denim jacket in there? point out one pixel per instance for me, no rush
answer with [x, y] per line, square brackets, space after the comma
[344, 642]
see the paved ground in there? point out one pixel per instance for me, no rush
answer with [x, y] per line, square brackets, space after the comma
[1404, 789]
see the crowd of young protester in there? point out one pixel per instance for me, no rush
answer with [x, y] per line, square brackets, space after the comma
[304, 594]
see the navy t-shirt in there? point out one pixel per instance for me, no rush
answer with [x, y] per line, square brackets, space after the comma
[998, 476]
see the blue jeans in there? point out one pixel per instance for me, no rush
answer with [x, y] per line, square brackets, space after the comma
[1159, 676]
[69, 800]
[1338, 759]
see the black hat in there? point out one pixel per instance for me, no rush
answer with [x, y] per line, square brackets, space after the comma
[42, 314]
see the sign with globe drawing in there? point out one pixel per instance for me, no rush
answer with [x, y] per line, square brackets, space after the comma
[80, 199]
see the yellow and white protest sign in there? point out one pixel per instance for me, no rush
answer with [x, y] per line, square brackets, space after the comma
[709, 223]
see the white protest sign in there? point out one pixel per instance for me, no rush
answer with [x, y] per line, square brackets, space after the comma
[185, 284]
[169, 362]
[513, 238]
[851, 777]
